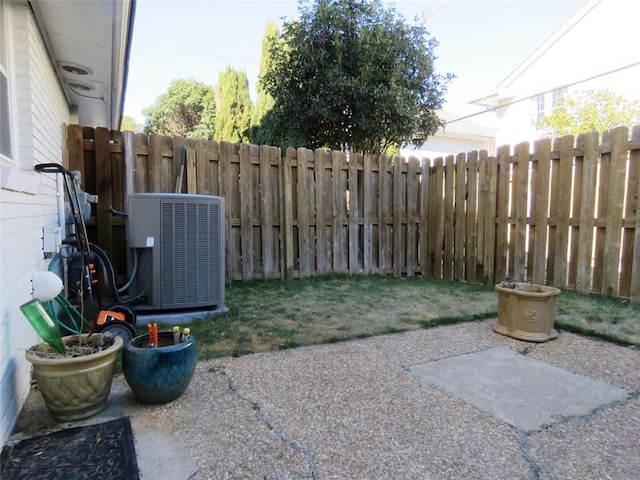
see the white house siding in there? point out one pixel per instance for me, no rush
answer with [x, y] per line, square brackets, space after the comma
[28, 202]
[460, 135]
[441, 146]
[599, 39]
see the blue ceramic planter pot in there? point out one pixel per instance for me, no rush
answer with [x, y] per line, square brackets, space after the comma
[159, 374]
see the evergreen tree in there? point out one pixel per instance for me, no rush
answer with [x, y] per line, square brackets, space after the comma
[261, 130]
[233, 107]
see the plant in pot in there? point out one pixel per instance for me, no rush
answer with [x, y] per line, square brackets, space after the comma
[526, 310]
[73, 373]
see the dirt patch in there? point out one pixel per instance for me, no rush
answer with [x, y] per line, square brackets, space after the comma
[75, 347]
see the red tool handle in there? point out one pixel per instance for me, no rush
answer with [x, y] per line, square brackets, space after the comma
[153, 334]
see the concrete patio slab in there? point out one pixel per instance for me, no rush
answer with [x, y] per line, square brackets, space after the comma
[525, 393]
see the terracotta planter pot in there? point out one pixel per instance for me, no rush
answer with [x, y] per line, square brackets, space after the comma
[528, 312]
[159, 374]
[75, 387]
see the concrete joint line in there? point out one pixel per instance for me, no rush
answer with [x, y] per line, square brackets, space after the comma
[386, 355]
[536, 470]
[283, 436]
[528, 349]
[596, 411]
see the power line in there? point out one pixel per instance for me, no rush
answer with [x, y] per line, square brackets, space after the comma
[439, 10]
[493, 109]
[199, 52]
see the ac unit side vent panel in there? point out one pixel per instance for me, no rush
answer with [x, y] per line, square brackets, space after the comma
[188, 266]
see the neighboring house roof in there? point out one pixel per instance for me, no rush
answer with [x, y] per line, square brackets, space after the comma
[88, 43]
[463, 128]
[593, 43]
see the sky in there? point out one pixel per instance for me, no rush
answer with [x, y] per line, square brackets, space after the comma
[479, 41]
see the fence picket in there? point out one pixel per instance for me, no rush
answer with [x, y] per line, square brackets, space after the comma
[384, 218]
[563, 204]
[471, 233]
[412, 198]
[519, 212]
[424, 253]
[542, 151]
[634, 214]
[615, 203]
[589, 145]
[502, 212]
[490, 191]
[437, 213]
[303, 215]
[323, 263]
[354, 213]
[449, 217]
[287, 189]
[369, 198]
[459, 216]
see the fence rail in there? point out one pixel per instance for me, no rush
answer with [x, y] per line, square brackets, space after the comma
[566, 214]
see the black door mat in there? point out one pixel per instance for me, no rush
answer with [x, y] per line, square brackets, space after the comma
[104, 451]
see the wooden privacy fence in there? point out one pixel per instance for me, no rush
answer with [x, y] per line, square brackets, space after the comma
[566, 214]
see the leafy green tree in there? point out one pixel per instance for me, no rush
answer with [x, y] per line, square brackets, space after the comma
[233, 117]
[590, 110]
[128, 123]
[354, 75]
[261, 129]
[187, 108]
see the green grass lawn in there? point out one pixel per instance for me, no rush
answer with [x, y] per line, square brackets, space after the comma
[271, 315]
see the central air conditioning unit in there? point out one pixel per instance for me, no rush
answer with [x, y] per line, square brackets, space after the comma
[179, 243]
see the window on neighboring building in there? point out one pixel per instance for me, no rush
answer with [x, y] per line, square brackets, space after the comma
[6, 144]
[557, 96]
[539, 108]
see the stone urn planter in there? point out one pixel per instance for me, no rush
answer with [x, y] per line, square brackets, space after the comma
[159, 374]
[74, 387]
[526, 311]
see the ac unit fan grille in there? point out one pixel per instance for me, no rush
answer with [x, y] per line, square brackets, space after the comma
[189, 253]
